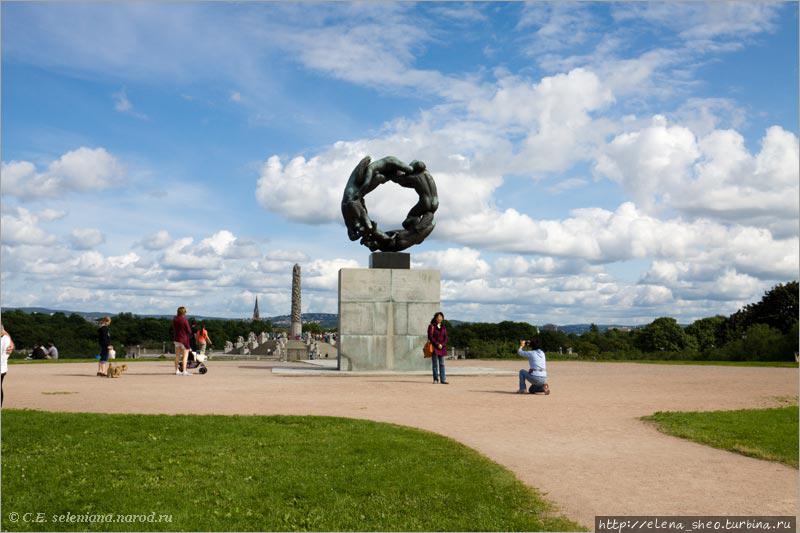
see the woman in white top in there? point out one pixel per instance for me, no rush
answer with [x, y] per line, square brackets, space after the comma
[6, 347]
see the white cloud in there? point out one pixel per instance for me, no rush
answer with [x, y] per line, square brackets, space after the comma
[220, 242]
[455, 263]
[267, 265]
[122, 104]
[603, 236]
[558, 25]
[324, 274]
[50, 215]
[555, 115]
[290, 256]
[650, 295]
[649, 161]
[20, 226]
[353, 51]
[517, 266]
[704, 115]
[704, 20]
[86, 238]
[687, 35]
[158, 241]
[731, 184]
[181, 255]
[123, 261]
[730, 285]
[714, 176]
[555, 99]
[707, 281]
[89, 263]
[77, 294]
[461, 13]
[86, 168]
[566, 185]
[82, 169]
[185, 271]
[225, 244]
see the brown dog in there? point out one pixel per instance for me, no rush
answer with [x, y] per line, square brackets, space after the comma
[116, 371]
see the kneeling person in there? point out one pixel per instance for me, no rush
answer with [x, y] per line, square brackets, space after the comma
[537, 373]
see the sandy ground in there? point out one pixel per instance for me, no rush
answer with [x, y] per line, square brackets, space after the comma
[582, 446]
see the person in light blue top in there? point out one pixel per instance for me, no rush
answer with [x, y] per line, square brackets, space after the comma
[537, 371]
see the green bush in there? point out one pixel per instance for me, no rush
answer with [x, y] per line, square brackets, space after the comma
[760, 342]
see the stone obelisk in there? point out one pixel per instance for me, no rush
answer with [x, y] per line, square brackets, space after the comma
[297, 326]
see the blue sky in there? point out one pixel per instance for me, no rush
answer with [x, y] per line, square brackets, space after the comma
[607, 162]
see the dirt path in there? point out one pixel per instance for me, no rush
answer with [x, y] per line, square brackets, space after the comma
[583, 445]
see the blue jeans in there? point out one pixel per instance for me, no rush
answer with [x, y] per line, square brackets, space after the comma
[438, 366]
[525, 375]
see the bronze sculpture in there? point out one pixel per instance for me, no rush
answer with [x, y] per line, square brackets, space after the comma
[367, 176]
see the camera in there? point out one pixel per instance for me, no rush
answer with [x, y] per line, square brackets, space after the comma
[530, 344]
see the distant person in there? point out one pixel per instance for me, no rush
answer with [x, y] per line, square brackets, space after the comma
[6, 347]
[202, 338]
[193, 339]
[104, 340]
[537, 371]
[182, 339]
[112, 354]
[437, 335]
[52, 351]
[38, 352]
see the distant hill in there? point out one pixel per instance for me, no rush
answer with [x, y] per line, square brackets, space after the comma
[580, 329]
[325, 320]
[95, 315]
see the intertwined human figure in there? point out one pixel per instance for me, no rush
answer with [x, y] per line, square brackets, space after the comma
[367, 176]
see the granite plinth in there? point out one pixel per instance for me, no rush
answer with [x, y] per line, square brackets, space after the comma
[383, 317]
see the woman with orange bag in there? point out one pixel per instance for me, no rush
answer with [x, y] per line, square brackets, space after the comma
[437, 335]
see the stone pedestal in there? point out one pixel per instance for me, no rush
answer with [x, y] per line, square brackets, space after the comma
[390, 260]
[383, 317]
[296, 350]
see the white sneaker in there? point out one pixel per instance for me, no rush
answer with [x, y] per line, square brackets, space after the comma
[178, 373]
[187, 373]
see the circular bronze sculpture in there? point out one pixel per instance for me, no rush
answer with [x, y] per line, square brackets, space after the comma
[365, 178]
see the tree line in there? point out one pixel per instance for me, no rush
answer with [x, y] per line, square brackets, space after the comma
[77, 337]
[765, 330]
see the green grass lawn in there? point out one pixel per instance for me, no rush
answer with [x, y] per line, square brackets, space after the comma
[770, 434]
[256, 473]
